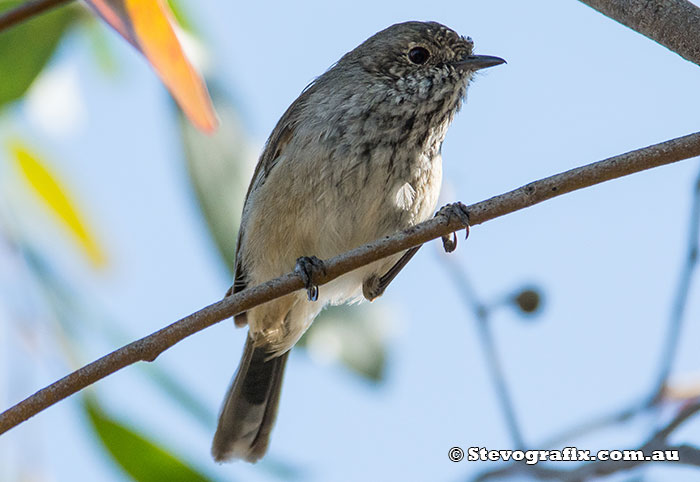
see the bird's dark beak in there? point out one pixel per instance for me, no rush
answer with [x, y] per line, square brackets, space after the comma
[478, 62]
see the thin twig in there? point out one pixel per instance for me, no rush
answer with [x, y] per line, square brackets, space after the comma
[493, 362]
[687, 455]
[149, 347]
[686, 412]
[675, 24]
[681, 299]
[26, 11]
[603, 421]
[669, 352]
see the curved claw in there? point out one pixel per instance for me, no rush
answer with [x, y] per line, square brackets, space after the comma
[312, 292]
[307, 267]
[449, 211]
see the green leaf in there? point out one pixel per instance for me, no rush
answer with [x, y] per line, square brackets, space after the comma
[139, 457]
[26, 48]
[220, 166]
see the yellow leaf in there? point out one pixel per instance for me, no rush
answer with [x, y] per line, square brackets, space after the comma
[47, 188]
[148, 26]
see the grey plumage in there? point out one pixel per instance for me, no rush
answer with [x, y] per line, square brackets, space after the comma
[250, 406]
[354, 158]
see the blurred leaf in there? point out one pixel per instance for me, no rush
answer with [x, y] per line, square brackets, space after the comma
[220, 166]
[148, 26]
[54, 195]
[101, 48]
[352, 335]
[26, 48]
[139, 457]
[75, 313]
[181, 15]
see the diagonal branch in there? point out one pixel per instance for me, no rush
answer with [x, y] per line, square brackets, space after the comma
[687, 455]
[149, 347]
[27, 10]
[680, 302]
[675, 24]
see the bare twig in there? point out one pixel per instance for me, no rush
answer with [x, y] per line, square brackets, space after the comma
[598, 423]
[686, 412]
[149, 347]
[670, 346]
[675, 24]
[660, 386]
[679, 304]
[26, 11]
[493, 362]
[687, 455]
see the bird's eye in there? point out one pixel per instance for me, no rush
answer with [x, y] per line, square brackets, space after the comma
[418, 55]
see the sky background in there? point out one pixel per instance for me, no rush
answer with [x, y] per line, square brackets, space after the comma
[577, 88]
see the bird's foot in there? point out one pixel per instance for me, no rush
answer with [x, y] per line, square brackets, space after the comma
[308, 268]
[448, 212]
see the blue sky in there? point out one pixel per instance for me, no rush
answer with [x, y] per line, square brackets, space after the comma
[577, 88]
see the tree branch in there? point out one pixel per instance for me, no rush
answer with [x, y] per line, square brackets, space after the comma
[687, 455]
[493, 362]
[675, 24]
[149, 347]
[673, 334]
[598, 423]
[26, 11]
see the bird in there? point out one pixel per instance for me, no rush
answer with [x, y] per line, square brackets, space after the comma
[357, 156]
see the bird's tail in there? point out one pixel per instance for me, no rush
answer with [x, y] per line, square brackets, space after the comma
[250, 407]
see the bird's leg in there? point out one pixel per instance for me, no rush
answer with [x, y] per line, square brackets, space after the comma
[374, 286]
[448, 211]
[308, 268]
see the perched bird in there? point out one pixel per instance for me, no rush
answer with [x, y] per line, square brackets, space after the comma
[354, 158]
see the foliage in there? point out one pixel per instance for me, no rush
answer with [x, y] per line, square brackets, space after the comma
[26, 49]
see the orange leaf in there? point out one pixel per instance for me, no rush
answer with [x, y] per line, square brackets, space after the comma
[148, 26]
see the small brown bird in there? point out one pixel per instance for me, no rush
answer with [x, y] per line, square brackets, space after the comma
[354, 158]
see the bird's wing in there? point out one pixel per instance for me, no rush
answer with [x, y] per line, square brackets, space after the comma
[279, 139]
